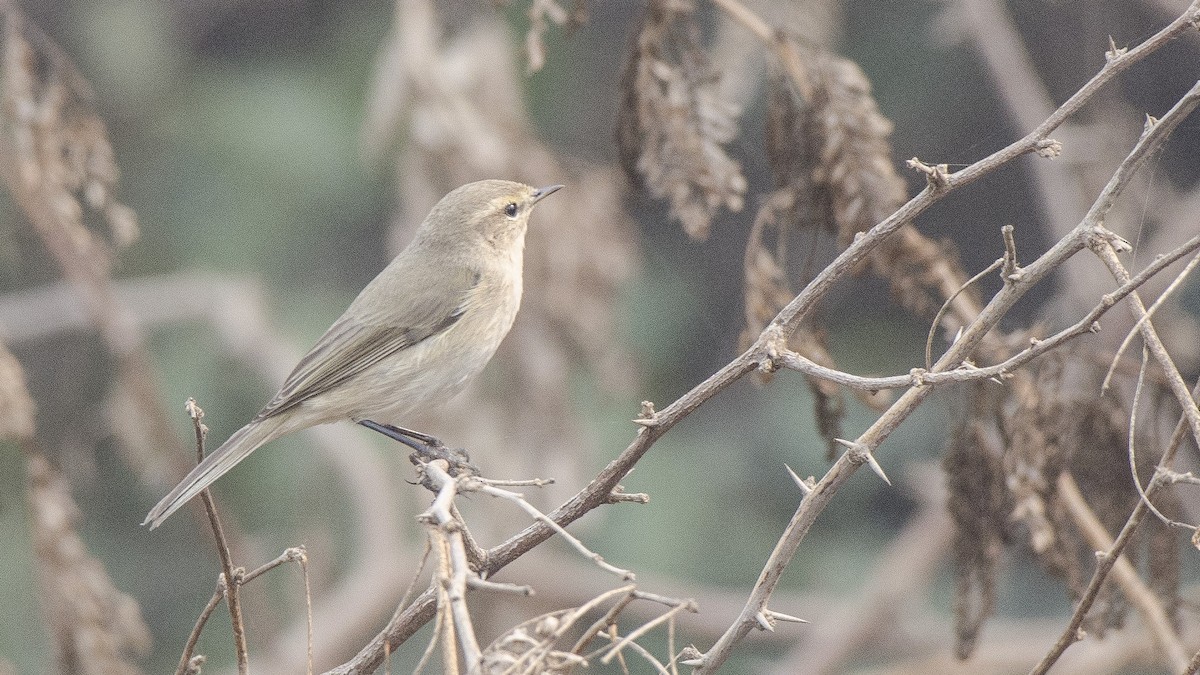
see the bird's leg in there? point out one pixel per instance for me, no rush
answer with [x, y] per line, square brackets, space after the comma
[413, 439]
[426, 448]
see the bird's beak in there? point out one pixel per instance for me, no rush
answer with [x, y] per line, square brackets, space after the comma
[541, 193]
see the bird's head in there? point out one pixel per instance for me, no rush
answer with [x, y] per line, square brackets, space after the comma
[491, 211]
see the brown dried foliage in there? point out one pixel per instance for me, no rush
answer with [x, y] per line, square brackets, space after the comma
[673, 125]
[766, 292]
[1096, 437]
[1003, 462]
[979, 504]
[58, 161]
[543, 14]
[96, 628]
[827, 142]
[923, 273]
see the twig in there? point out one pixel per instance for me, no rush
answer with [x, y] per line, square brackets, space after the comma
[295, 554]
[1171, 288]
[921, 377]
[186, 659]
[642, 651]
[525, 506]
[1133, 470]
[937, 318]
[233, 577]
[646, 628]
[453, 567]
[598, 625]
[302, 559]
[1150, 337]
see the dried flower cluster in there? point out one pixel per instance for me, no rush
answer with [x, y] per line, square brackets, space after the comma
[829, 152]
[58, 159]
[543, 13]
[97, 628]
[673, 125]
[1004, 461]
[828, 143]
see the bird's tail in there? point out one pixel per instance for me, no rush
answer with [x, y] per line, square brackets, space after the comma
[239, 446]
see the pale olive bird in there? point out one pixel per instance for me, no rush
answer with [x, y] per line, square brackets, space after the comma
[423, 328]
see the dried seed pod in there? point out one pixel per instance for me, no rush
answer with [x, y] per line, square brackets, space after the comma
[673, 126]
[827, 141]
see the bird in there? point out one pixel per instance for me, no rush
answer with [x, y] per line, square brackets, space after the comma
[414, 337]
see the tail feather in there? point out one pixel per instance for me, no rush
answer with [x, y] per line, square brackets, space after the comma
[239, 446]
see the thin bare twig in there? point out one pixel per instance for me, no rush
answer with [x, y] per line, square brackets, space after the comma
[921, 377]
[232, 576]
[525, 506]
[1171, 288]
[453, 569]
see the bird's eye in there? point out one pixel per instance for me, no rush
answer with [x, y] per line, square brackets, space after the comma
[510, 210]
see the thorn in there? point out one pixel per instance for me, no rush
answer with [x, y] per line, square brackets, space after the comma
[764, 622]
[862, 455]
[1113, 51]
[780, 616]
[1149, 123]
[804, 487]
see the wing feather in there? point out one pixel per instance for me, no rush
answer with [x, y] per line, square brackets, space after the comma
[359, 340]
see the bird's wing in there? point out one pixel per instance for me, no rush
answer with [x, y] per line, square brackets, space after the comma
[359, 340]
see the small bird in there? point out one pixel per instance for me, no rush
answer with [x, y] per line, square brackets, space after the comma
[414, 337]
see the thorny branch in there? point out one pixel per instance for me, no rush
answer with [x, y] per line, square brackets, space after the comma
[1089, 232]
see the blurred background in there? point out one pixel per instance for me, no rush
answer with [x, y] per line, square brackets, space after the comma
[278, 152]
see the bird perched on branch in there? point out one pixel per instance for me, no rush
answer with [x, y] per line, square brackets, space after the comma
[423, 328]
